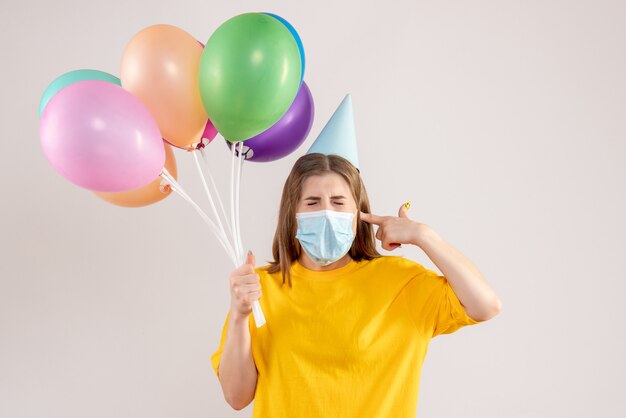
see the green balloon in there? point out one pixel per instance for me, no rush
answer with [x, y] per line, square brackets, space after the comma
[72, 77]
[249, 75]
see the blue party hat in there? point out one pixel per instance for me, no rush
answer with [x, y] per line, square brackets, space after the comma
[338, 135]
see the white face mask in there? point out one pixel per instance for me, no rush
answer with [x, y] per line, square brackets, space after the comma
[325, 235]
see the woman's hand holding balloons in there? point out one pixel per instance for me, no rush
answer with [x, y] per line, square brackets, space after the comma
[393, 231]
[245, 287]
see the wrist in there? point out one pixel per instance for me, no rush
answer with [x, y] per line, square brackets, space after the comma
[238, 318]
[423, 235]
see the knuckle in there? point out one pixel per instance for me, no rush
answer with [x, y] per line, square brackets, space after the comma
[252, 276]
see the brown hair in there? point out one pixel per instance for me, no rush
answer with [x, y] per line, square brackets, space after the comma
[286, 249]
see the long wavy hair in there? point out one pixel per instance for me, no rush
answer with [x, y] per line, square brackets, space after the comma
[285, 248]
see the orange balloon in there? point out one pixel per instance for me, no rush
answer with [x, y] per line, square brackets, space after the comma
[148, 194]
[160, 66]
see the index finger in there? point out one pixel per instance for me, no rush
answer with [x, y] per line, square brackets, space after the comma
[253, 278]
[371, 218]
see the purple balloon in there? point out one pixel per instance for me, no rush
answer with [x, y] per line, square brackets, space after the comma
[286, 135]
[99, 136]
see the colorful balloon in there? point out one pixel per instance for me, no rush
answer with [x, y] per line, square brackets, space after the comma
[249, 75]
[72, 77]
[99, 136]
[286, 135]
[297, 39]
[208, 135]
[160, 66]
[148, 194]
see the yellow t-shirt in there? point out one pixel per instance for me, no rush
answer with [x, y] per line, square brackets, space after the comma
[348, 342]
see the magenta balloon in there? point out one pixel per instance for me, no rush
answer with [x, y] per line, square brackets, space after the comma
[286, 135]
[99, 136]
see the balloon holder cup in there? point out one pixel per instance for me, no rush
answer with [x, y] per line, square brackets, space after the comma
[165, 187]
[200, 145]
[192, 147]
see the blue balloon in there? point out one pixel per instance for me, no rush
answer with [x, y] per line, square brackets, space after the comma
[70, 78]
[295, 36]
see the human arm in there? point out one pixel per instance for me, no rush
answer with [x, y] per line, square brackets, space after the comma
[237, 371]
[477, 297]
[479, 300]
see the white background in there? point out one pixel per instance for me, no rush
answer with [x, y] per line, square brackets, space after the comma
[504, 122]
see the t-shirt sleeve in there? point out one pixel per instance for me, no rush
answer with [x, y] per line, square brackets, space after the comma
[434, 306]
[217, 355]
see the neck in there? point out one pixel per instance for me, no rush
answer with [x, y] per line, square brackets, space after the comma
[306, 262]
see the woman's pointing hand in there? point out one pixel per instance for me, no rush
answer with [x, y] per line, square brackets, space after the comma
[393, 231]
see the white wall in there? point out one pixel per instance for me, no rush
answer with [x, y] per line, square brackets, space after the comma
[503, 121]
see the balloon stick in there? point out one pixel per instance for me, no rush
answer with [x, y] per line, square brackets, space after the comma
[237, 194]
[178, 189]
[259, 318]
[217, 193]
[208, 193]
[232, 203]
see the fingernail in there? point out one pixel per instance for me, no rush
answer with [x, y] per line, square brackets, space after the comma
[407, 205]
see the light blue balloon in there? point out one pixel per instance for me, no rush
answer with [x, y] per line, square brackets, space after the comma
[295, 36]
[72, 77]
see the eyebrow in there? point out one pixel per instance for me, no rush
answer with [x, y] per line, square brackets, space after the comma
[319, 198]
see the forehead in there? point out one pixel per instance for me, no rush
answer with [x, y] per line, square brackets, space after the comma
[327, 184]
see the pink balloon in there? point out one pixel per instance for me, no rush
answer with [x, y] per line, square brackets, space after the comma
[99, 136]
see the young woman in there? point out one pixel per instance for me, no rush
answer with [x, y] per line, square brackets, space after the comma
[347, 328]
